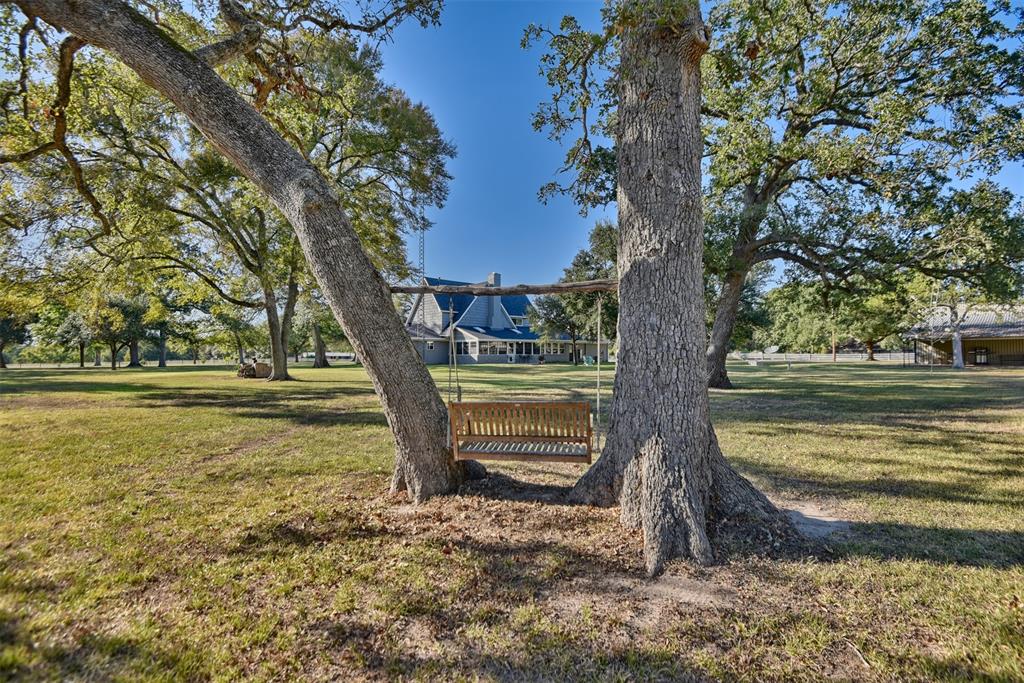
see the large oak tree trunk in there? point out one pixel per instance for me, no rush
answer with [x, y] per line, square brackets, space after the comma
[97, 361]
[661, 461]
[870, 347]
[356, 292]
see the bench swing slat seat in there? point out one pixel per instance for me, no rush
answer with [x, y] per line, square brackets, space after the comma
[541, 431]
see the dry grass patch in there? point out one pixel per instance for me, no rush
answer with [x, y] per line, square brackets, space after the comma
[185, 525]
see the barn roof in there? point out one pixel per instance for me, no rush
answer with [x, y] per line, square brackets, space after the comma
[981, 322]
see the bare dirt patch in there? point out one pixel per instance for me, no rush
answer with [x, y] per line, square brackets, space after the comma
[814, 520]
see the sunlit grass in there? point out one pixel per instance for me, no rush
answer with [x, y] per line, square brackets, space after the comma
[185, 524]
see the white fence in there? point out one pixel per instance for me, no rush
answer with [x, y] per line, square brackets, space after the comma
[213, 362]
[841, 357]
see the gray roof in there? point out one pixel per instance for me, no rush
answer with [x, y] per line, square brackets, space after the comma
[458, 302]
[515, 304]
[980, 322]
[493, 333]
[417, 331]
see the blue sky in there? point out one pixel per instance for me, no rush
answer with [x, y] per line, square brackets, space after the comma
[483, 88]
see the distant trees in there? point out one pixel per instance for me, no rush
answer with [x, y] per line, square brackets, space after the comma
[807, 316]
[575, 315]
[552, 319]
[830, 128]
[315, 318]
[116, 321]
[74, 332]
[13, 330]
[267, 49]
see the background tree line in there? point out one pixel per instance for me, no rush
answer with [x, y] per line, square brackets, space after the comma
[120, 215]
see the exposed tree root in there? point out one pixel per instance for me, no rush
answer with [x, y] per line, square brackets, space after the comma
[677, 519]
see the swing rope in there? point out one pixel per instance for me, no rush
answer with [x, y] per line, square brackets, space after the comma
[453, 378]
[597, 416]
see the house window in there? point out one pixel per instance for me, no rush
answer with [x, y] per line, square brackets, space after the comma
[981, 356]
[472, 347]
[430, 346]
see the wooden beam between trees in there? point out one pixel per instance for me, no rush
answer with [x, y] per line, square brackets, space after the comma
[488, 290]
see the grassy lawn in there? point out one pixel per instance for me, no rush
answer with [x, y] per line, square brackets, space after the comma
[185, 524]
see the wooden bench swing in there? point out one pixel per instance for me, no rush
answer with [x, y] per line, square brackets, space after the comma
[545, 431]
[530, 431]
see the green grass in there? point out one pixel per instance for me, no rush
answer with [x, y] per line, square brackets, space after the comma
[186, 525]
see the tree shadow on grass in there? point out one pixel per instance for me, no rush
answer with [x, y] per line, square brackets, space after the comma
[91, 656]
[962, 547]
[501, 626]
[282, 537]
[827, 486]
[884, 541]
[498, 486]
[310, 407]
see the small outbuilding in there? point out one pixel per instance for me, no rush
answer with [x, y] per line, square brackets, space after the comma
[990, 335]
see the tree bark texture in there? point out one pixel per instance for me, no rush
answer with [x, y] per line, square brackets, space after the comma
[319, 348]
[870, 347]
[81, 355]
[98, 359]
[356, 292]
[661, 461]
[3, 363]
[113, 356]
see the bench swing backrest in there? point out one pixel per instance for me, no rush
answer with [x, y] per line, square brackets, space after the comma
[547, 431]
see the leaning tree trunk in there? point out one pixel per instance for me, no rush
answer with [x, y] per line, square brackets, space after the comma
[133, 354]
[319, 348]
[661, 460]
[356, 292]
[721, 329]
